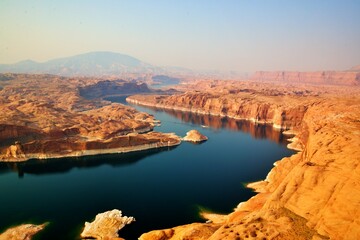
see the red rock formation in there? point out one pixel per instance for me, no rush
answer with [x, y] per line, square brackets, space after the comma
[8, 131]
[239, 107]
[50, 118]
[314, 194]
[22, 232]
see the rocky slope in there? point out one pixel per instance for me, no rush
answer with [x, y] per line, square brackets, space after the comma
[247, 107]
[321, 77]
[22, 232]
[314, 194]
[45, 116]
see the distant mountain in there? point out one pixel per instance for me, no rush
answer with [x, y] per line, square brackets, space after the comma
[88, 64]
[355, 68]
[320, 77]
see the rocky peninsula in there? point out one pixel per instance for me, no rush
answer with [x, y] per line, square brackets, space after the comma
[46, 116]
[314, 194]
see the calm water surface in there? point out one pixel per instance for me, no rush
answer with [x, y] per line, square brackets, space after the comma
[160, 188]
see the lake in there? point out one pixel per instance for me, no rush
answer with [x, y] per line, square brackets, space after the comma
[161, 188]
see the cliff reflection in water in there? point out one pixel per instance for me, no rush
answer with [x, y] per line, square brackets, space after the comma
[63, 165]
[48, 166]
[258, 131]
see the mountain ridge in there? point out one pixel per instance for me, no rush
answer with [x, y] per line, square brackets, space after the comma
[86, 64]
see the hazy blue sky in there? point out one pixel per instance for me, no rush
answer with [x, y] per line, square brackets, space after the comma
[221, 34]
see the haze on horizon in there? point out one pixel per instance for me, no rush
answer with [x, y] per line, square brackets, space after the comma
[202, 35]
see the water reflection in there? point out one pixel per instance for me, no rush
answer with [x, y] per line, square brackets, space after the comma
[63, 165]
[258, 131]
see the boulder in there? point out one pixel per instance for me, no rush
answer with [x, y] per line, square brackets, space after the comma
[194, 136]
[106, 225]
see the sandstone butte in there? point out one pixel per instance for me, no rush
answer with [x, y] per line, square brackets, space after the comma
[194, 136]
[315, 193]
[46, 116]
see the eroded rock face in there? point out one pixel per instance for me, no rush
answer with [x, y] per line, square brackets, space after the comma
[22, 232]
[15, 151]
[51, 119]
[106, 225]
[194, 136]
[314, 194]
[195, 231]
[244, 106]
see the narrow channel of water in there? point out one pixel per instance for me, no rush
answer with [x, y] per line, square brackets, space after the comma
[160, 188]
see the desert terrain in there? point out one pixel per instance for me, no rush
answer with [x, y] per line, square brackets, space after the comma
[46, 116]
[313, 194]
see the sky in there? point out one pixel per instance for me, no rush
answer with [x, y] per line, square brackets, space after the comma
[225, 35]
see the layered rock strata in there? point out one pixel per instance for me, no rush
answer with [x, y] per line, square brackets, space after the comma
[57, 148]
[314, 194]
[249, 107]
[45, 116]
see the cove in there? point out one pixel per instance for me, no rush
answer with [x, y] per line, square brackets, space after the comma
[161, 188]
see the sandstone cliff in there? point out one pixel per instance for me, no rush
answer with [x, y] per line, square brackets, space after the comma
[314, 194]
[258, 131]
[48, 116]
[248, 107]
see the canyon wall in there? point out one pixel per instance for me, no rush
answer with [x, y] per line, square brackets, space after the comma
[45, 116]
[314, 194]
[248, 108]
[320, 77]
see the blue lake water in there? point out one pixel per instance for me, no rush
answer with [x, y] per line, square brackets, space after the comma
[160, 188]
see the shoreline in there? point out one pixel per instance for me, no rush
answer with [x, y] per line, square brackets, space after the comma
[326, 146]
[294, 143]
[91, 152]
[198, 111]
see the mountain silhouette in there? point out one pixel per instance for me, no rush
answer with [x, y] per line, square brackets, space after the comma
[87, 64]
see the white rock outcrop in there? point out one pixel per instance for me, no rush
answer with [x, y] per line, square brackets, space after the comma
[106, 225]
